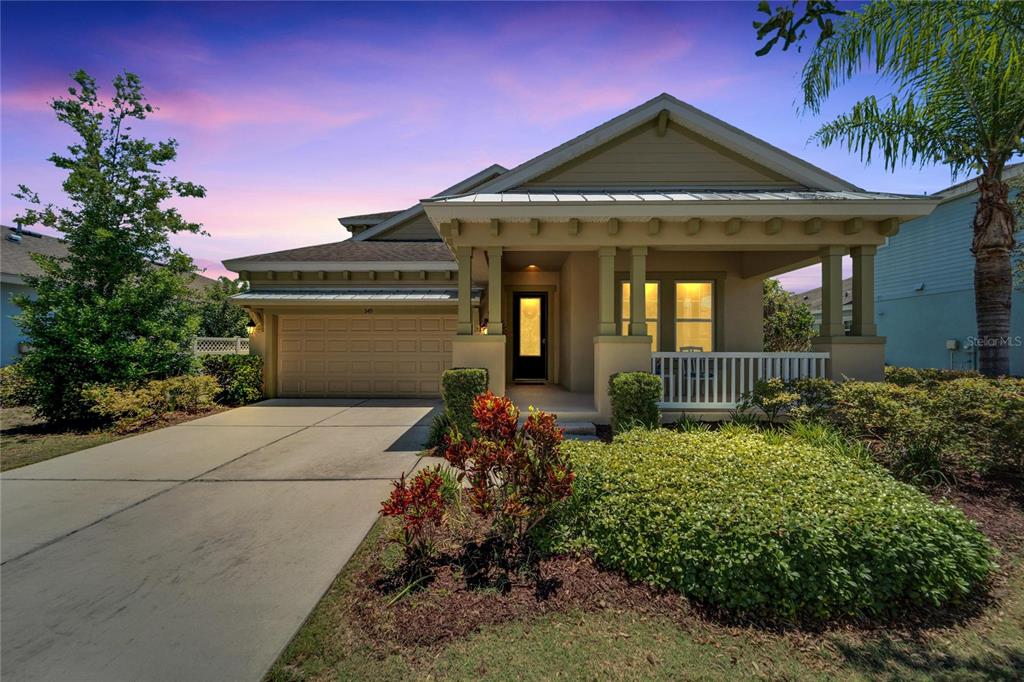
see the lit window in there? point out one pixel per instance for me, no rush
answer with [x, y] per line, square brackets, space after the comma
[650, 309]
[695, 324]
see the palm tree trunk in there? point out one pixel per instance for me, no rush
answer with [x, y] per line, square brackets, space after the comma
[993, 275]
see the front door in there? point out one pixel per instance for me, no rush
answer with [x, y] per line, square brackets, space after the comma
[529, 336]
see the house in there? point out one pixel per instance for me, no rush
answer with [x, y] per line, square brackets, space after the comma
[16, 249]
[812, 298]
[924, 287]
[642, 244]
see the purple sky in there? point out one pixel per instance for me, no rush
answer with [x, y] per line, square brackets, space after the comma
[292, 114]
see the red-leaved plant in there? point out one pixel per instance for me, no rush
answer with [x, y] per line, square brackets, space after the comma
[421, 506]
[515, 475]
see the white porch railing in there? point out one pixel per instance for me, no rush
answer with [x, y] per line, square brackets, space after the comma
[220, 345]
[719, 380]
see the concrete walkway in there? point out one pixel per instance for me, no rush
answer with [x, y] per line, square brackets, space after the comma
[196, 551]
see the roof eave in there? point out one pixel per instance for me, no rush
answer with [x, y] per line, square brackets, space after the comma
[239, 265]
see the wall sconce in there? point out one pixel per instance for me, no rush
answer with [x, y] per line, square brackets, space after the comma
[250, 327]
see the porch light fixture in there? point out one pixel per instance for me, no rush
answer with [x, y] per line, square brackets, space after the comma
[532, 268]
[250, 327]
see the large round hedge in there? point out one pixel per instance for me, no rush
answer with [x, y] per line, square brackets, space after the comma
[769, 524]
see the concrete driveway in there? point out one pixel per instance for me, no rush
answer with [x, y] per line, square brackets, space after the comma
[196, 551]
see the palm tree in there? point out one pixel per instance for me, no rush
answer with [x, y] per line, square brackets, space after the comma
[956, 72]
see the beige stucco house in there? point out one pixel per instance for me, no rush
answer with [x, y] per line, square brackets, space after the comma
[639, 245]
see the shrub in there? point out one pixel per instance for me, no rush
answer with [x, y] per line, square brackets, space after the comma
[133, 408]
[459, 388]
[770, 397]
[905, 376]
[515, 475]
[764, 523]
[635, 397]
[421, 505]
[439, 427]
[240, 377]
[16, 388]
[939, 430]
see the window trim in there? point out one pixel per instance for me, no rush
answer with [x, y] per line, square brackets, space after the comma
[713, 320]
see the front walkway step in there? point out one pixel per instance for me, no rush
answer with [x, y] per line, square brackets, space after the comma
[578, 428]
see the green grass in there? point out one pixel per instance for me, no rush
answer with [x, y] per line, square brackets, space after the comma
[26, 440]
[620, 644]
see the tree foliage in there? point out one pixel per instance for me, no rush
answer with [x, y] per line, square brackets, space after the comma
[115, 310]
[785, 23]
[217, 315]
[788, 321]
[955, 78]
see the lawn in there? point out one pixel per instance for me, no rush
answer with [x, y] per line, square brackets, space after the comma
[25, 440]
[605, 640]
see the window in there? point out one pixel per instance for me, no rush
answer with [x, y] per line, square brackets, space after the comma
[695, 325]
[650, 309]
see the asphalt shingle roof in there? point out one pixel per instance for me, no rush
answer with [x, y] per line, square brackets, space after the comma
[350, 251]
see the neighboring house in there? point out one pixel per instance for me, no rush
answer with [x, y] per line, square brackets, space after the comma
[924, 287]
[812, 298]
[640, 245]
[15, 263]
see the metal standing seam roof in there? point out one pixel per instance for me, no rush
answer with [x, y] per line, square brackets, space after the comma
[666, 196]
[353, 294]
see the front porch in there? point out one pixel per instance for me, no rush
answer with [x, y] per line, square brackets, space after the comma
[674, 288]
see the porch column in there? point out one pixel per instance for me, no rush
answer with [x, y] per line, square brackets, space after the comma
[464, 259]
[864, 291]
[494, 325]
[606, 290]
[832, 292]
[637, 303]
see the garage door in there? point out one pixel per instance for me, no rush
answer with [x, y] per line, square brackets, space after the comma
[363, 355]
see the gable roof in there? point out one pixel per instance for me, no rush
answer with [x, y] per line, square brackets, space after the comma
[460, 187]
[352, 255]
[687, 116]
[16, 257]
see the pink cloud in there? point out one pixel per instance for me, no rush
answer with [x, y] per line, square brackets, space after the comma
[206, 111]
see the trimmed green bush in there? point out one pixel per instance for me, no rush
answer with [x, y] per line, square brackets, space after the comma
[15, 387]
[634, 397]
[905, 376]
[768, 524]
[928, 431]
[240, 377]
[131, 409]
[458, 389]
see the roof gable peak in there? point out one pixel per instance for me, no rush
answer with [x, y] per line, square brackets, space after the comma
[666, 107]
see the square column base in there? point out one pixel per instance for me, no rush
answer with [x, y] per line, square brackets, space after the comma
[614, 354]
[486, 351]
[853, 357]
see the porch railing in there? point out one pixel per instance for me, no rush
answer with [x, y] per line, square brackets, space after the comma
[719, 380]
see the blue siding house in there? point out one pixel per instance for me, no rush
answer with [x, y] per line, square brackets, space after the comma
[924, 288]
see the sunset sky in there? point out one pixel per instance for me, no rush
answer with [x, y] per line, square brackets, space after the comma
[292, 114]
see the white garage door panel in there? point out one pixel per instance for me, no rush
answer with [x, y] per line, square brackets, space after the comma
[363, 355]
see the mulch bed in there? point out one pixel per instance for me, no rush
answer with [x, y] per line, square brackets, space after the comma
[996, 506]
[448, 608]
